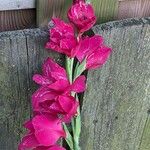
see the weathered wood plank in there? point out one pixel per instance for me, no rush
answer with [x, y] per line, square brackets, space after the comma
[105, 10]
[133, 8]
[115, 113]
[21, 55]
[16, 4]
[48, 8]
[51, 8]
[116, 106]
[17, 19]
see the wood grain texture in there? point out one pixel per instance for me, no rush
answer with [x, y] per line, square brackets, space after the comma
[46, 9]
[116, 105]
[16, 4]
[21, 55]
[133, 8]
[105, 10]
[17, 19]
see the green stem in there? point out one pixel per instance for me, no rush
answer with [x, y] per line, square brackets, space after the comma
[76, 122]
[68, 138]
[69, 67]
[79, 69]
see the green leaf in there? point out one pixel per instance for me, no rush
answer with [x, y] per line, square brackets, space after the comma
[80, 68]
[68, 138]
[78, 121]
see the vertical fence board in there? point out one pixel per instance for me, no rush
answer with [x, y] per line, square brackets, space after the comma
[16, 4]
[106, 10]
[133, 8]
[115, 112]
[17, 19]
[116, 106]
[48, 8]
[21, 55]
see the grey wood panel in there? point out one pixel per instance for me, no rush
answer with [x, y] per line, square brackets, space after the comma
[16, 4]
[116, 105]
[21, 55]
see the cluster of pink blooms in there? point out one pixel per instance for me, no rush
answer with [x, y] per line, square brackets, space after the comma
[52, 103]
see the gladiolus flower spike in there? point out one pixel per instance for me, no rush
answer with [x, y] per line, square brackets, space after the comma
[56, 102]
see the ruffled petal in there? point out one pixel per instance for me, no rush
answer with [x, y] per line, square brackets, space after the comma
[56, 147]
[69, 106]
[60, 85]
[87, 45]
[48, 129]
[62, 37]
[98, 57]
[81, 12]
[28, 142]
[28, 125]
[52, 70]
[79, 84]
[41, 80]
[41, 95]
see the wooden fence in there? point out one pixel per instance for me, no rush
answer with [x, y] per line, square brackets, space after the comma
[116, 105]
[20, 14]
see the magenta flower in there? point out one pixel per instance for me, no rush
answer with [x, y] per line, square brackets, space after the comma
[86, 45]
[82, 16]
[93, 50]
[51, 72]
[98, 57]
[62, 105]
[44, 130]
[54, 103]
[54, 99]
[77, 86]
[54, 77]
[62, 38]
[65, 106]
[54, 95]
[42, 99]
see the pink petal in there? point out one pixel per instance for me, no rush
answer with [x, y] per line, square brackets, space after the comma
[82, 16]
[48, 137]
[81, 49]
[50, 67]
[59, 85]
[62, 37]
[67, 43]
[41, 95]
[41, 80]
[61, 25]
[79, 84]
[28, 142]
[28, 125]
[53, 46]
[56, 108]
[69, 105]
[89, 25]
[55, 147]
[98, 58]
[48, 129]
[87, 45]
